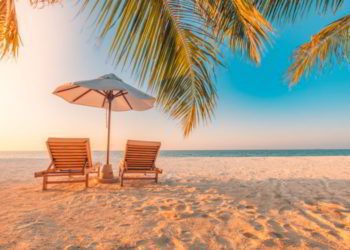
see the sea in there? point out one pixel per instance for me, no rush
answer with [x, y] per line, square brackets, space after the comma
[6, 155]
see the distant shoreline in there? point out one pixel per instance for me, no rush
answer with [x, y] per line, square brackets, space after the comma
[196, 153]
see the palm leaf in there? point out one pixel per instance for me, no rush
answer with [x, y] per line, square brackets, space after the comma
[165, 43]
[290, 10]
[9, 36]
[331, 44]
[239, 22]
[9, 32]
[42, 3]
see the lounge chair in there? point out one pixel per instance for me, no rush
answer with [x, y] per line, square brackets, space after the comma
[139, 158]
[69, 157]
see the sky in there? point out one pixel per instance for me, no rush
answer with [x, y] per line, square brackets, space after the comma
[256, 108]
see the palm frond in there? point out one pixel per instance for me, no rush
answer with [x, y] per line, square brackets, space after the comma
[239, 22]
[331, 44]
[164, 42]
[9, 35]
[43, 3]
[291, 10]
[34, 2]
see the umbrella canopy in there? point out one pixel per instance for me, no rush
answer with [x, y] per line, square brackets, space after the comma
[107, 91]
[97, 92]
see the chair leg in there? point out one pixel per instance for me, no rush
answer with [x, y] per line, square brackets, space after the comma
[87, 180]
[121, 179]
[44, 182]
[156, 179]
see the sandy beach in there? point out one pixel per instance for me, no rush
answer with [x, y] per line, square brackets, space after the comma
[233, 116]
[200, 203]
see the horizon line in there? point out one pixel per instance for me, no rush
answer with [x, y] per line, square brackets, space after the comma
[257, 149]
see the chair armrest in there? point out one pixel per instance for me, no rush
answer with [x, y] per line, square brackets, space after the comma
[39, 174]
[159, 171]
[42, 173]
[95, 169]
[50, 166]
[123, 165]
[86, 168]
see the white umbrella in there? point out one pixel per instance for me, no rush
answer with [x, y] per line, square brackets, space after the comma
[108, 92]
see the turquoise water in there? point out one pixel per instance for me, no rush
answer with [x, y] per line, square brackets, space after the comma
[193, 153]
[255, 153]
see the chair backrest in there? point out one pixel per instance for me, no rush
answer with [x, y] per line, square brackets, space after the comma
[141, 155]
[70, 153]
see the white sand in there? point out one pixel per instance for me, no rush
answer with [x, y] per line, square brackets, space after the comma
[200, 203]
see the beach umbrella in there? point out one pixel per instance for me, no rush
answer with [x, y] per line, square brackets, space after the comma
[108, 92]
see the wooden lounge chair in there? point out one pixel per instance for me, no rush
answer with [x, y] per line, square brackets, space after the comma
[69, 157]
[139, 158]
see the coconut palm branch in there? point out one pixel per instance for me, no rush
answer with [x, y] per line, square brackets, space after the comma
[167, 42]
[239, 23]
[290, 10]
[10, 40]
[331, 44]
[9, 36]
[42, 3]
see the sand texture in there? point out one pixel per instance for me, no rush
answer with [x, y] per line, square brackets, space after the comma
[200, 203]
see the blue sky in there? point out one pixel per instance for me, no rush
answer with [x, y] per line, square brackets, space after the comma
[315, 112]
[256, 109]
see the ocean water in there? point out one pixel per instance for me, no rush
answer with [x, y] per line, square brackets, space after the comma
[100, 155]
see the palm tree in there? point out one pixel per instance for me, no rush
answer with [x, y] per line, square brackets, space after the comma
[331, 44]
[9, 37]
[173, 45]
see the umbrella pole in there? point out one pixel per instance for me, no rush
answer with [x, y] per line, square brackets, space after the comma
[109, 128]
[107, 171]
